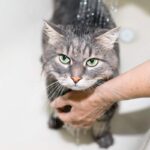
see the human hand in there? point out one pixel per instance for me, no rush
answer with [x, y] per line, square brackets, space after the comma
[87, 106]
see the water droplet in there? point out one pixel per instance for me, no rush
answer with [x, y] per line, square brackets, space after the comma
[114, 9]
[107, 20]
[78, 16]
[114, 5]
[89, 9]
[82, 21]
[85, 3]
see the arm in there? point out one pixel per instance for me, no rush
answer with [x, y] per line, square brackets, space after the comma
[87, 107]
[132, 84]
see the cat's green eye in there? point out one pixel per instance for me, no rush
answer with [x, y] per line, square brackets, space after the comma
[92, 62]
[64, 59]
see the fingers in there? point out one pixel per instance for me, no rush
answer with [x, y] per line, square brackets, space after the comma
[81, 124]
[65, 117]
[59, 103]
[74, 120]
[75, 117]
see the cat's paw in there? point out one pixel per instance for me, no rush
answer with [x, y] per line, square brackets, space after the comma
[105, 140]
[55, 123]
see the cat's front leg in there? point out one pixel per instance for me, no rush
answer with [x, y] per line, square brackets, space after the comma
[101, 128]
[54, 122]
[53, 92]
[101, 133]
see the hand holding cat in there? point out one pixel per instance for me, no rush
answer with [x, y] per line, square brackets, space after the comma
[86, 108]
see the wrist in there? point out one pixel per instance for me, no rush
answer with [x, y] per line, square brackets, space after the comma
[107, 93]
[104, 97]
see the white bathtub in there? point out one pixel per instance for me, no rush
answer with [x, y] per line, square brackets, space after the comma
[23, 104]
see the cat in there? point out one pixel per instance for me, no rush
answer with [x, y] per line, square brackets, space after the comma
[80, 51]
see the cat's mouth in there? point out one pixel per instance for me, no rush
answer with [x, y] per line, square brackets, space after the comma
[77, 87]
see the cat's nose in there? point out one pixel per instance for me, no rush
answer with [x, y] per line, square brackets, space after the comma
[76, 79]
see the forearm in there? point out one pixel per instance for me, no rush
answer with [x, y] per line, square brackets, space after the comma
[132, 84]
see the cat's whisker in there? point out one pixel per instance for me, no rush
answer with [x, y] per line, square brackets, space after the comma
[52, 87]
[53, 91]
[62, 91]
[59, 90]
[52, 84]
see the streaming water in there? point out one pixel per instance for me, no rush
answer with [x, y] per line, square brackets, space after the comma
[78, 133]
[91, 12]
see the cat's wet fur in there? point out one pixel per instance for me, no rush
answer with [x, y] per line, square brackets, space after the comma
[80, 29]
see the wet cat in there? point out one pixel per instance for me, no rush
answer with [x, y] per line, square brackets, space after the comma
[80, 51]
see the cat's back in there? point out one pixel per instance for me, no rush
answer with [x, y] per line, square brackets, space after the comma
[65, 11]
[83, 12]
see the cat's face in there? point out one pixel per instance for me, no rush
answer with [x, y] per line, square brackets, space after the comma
[79, 62]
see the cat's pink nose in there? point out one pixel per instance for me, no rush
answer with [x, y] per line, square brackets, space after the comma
[76, 79]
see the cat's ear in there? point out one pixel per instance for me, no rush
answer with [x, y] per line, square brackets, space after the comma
[108, 39]
[53, 32]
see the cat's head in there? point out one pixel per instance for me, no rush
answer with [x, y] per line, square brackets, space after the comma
[79, 61]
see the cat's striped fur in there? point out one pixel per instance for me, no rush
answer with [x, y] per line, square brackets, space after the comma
[81, 29]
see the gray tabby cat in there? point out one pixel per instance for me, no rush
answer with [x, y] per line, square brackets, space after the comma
[79, 52]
